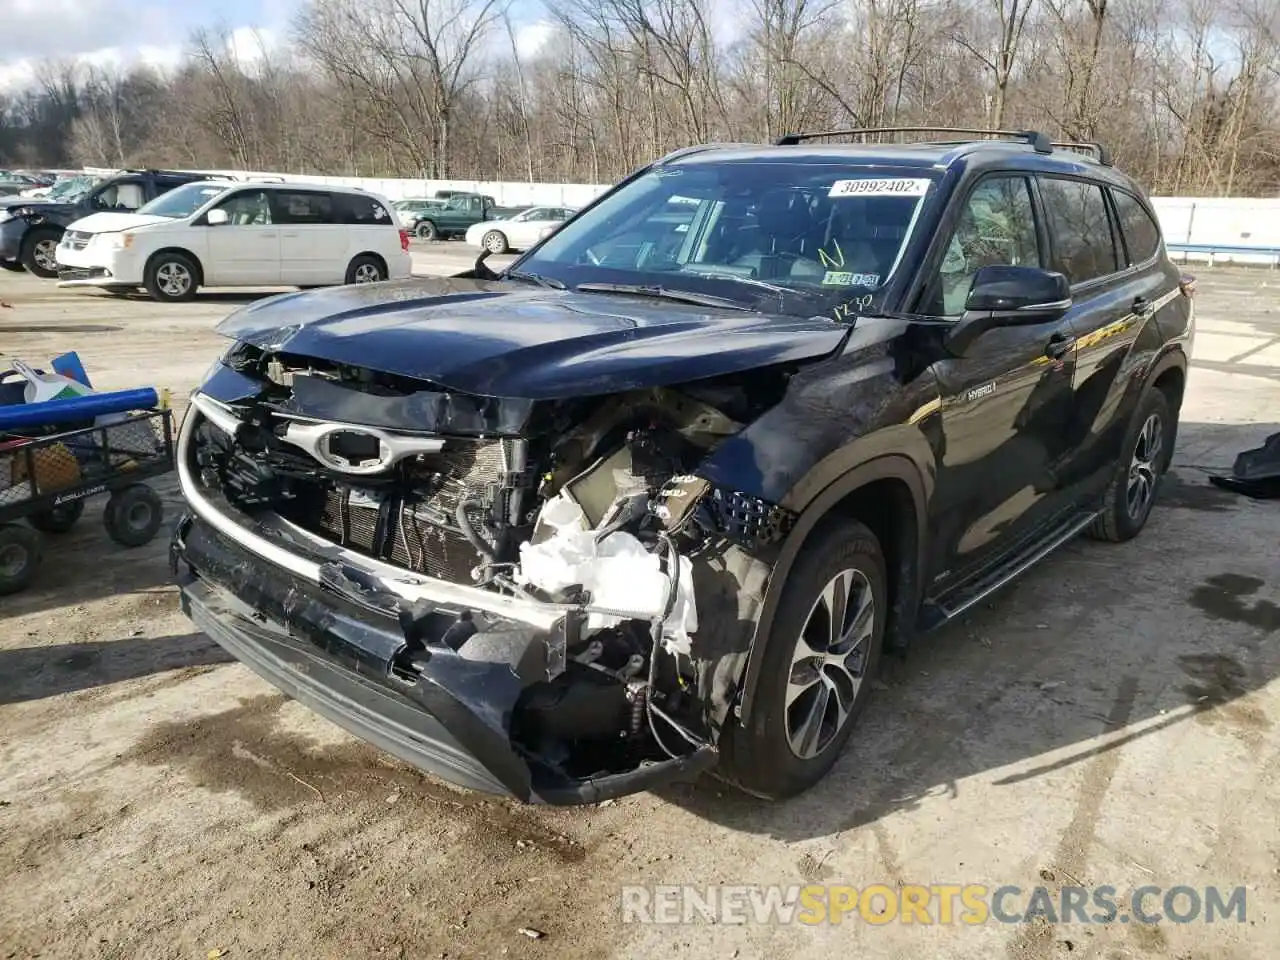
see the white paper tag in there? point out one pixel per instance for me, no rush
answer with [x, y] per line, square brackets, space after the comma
[886, 187]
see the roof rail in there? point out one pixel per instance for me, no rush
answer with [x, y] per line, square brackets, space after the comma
[1038, 141]
[1100, 153]
[264, 178]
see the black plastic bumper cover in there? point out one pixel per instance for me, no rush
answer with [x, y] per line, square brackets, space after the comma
[333, 657]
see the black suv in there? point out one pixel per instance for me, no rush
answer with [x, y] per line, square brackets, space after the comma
[654, 499]
[30, 229]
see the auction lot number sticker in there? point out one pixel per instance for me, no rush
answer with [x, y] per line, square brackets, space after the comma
[887, 187]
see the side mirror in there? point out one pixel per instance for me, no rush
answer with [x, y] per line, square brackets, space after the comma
[218, 218]
[1007, 296]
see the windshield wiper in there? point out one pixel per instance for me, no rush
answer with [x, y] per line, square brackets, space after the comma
[762, 284]
[662, 293]
[539, 279]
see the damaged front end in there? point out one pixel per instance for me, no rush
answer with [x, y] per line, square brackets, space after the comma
[535, 598]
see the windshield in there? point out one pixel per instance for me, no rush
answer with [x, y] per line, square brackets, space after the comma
[182, 202]
[810, 236]
[73, 189]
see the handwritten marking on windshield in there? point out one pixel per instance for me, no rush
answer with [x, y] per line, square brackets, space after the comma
[829, 261]
[843, 311]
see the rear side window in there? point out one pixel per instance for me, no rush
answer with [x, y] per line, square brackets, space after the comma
[1083, 244]
[298, 207]
[1141, 233]
[362, 211]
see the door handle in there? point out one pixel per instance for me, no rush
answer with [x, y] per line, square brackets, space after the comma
[1059, 345]
[1142, 307]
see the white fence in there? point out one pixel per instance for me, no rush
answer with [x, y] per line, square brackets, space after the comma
[1227, 222]
[505, 193]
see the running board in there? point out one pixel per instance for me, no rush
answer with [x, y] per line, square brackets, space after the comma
[952, 604]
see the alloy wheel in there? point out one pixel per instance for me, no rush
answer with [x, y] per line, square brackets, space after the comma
[1144, 467]
[829, 662]
[367, 273]
[173, 279]
[45, 254]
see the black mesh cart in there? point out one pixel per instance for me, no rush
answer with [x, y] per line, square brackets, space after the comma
[45, 480]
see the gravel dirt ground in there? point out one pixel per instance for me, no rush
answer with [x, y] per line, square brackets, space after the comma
[1110, 719]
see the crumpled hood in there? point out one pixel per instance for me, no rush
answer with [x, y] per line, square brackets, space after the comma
[512, 340]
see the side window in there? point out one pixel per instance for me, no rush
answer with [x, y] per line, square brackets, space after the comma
[996, 227]
[122, 195]
[361, 211]
[1083, 244]
[249, 208]
[1141, 233]
[300, 207]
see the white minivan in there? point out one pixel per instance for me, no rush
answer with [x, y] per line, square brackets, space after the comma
[216, 233]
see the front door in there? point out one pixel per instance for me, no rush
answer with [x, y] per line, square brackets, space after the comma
[1005, 403]
[244, 251]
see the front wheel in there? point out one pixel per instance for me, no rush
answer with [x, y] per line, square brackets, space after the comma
[40, 252]
[1144, 459]
[171, 277]
[19, 557]
[426, 230]
[819, 662]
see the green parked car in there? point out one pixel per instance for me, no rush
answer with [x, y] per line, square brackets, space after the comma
[453, 216]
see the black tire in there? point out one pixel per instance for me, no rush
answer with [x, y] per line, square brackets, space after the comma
[19, 557]
[171, 277]
[58, 520]
[13, 266]
[426, 230]
[366, 269]
[117, 290]
[760, 758]
[38, 254]
[1119, 521]
[133, 515]
[495, 241]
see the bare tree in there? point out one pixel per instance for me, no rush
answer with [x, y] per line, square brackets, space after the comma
[997, 50]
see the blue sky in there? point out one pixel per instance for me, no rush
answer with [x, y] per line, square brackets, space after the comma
[127, 31]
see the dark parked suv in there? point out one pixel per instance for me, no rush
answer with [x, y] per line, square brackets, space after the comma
[30, 229]
[654, 499]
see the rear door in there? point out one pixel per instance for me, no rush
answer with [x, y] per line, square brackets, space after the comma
[244, 251]
[1111, 306]
[313, 240]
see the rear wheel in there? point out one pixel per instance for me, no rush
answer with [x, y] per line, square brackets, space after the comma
[40, 251]
[818, 665]
[366, 269]
[19, 557]
[133, 515]
[58, 520]
[171, 277]
[1145, 457]
[426, 230]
